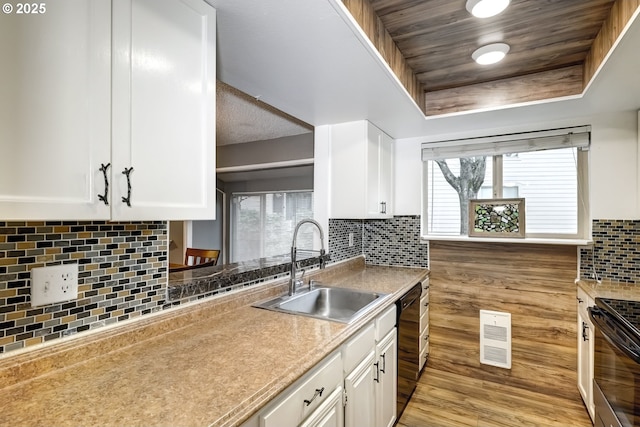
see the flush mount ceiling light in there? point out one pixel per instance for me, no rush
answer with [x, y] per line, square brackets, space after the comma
[490, 54]
[486, 8]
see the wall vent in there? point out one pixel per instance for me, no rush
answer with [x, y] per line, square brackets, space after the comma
[495, 338]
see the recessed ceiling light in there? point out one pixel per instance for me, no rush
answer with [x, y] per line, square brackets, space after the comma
[486, 8]
[490, 54]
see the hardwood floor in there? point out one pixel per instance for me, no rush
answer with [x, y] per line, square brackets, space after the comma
[444, 399]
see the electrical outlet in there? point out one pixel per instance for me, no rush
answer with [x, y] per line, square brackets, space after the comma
[57, 283]
[350, 239]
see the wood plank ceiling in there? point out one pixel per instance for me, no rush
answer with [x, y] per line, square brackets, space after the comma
[556, 46]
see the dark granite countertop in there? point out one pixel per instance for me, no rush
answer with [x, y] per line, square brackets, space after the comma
[213, 280]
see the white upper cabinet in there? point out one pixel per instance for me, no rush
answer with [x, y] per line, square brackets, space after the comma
[55, 122]
[361, 158]
[128, 84]
[164, 69]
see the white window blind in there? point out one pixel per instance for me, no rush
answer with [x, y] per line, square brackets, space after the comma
[578, 137]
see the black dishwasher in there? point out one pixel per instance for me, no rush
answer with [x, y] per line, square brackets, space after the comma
[408, 345]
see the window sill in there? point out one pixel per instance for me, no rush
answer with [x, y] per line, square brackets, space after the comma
[526, 240]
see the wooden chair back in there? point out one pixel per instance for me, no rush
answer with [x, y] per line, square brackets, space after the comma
[194, 256]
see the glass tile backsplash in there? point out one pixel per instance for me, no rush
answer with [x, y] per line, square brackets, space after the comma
[122, 270]
[394, 241]
[615, 254]
[122, 273]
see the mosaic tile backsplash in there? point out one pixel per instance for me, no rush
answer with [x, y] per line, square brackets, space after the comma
[122, 270]
[122, 273]
[394, 241]
[339, 230]
[615, 252]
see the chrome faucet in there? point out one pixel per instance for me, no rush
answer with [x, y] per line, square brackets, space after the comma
[293, 282]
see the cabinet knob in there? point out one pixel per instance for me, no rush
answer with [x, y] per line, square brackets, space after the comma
[580, 301]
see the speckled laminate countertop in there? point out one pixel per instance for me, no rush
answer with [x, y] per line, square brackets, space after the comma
[610, 289]
[212, 363]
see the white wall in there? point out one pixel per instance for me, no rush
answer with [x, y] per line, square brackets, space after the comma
[614, 159]
[321, 174]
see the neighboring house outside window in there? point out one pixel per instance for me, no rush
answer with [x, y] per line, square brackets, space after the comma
[550, 179]
[262, 224]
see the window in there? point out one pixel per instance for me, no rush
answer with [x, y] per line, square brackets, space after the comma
[262, 224]
[547, 169]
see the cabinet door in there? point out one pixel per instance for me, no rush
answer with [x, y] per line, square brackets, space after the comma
[55, 111]
[374, 203]
[385, 175]
[164, 76]
[386, 388]
[361, 171]
[359, 386]
[585, 361]
[379, 173]
[329, 414]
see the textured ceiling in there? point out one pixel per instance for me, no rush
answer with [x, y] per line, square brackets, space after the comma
[241, 118]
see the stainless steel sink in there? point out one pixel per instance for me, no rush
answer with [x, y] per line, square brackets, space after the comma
[322, 302]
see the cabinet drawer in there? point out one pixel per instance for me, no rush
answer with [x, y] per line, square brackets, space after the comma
[424, 339]
[385, 322]
[291, 409]
[424, 319]
[358, 347]
[424, 304]
[424, 297]
[424, 356]
[584, 301]
[425, 286]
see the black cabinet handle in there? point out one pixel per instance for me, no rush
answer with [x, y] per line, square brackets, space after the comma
[127, 173]
[585, 337]
[105, 197]
[384, 362]
[316, 394]
[579, 300]
[377, 378]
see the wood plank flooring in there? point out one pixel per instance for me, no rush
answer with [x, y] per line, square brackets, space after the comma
[444, 399]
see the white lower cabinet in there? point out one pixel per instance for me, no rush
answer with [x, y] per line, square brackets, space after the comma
[424, 324]
[306, 396]
[585, 351]
[371, 386]
[329, 414]
[386, 389]
[353, 387]
[360, 408]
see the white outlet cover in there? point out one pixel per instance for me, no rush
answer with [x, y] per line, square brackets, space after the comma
[57, 283]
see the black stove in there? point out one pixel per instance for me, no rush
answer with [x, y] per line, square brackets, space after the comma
[616, 385]
[626, 312]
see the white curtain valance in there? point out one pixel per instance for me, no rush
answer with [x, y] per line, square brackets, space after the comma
[505, 144]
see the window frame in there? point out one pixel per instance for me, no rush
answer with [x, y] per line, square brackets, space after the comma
[583, 234]
[262, 219]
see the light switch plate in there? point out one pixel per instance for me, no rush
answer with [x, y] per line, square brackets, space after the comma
[53, 284]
